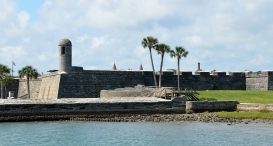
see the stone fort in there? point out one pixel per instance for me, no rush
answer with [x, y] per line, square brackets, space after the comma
[75, 82]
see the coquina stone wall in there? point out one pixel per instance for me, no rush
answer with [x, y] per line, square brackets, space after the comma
[259, 80]
[206, 81]
[89, 83]
[270, 80]
[34, 87]
[49, 87]
[212, 106]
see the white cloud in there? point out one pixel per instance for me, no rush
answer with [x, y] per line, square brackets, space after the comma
[12, 52]
[97, 42]
[23, 19]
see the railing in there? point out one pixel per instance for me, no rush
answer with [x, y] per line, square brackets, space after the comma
[171, 92]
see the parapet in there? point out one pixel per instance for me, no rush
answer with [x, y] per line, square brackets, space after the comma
[221, 74]
[258, 74]
[186, 74]
[237, 74]
[204, 74]
[76, 69]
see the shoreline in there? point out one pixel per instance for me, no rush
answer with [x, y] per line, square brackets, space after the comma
[195, 117]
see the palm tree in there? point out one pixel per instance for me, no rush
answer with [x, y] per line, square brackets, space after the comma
[29, 72]
[179, 52]
[162, 49]
[4, 70]
[150, 43]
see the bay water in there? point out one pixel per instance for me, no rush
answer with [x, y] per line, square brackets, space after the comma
[81, 133]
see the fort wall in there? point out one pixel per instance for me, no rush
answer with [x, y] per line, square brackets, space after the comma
[49, 88]
[206, 81]
[259, 80]
[89, 83]
[270, 80]
[34, 85]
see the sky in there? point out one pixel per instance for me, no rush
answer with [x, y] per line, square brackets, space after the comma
[226, 35]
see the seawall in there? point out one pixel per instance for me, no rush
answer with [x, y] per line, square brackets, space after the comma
[210, 106]
[65, 109]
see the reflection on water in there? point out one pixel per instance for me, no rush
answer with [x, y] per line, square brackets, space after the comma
[107, 133]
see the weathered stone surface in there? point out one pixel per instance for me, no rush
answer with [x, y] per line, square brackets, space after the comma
[103, 106]
[34, 87]
[270, 80]
[257, 81]
[128, 92]
[49, 87]
[89, 83]
[202, 106]
[255, 107]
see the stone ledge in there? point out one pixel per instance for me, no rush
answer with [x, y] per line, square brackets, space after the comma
[255, 107]
[211, 106]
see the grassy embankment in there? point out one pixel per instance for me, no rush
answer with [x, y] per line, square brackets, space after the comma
[242, 97]
[237, 95]
[246, 115]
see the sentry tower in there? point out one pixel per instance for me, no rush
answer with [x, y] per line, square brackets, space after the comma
[65, 55]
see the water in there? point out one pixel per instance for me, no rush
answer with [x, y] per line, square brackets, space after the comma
[107, 133]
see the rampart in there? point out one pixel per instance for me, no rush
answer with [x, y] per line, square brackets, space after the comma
[89, 83]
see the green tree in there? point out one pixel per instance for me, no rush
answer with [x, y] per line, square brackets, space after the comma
[7, 80]
[178, 53]
[29, 72]
[150, 43]
[4, 70]
[161, 50]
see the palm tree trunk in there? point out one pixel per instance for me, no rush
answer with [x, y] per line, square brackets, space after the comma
[161, 65]
[178, 74]
[151, 57]
[2, 90]
[5, 92]
[28, 89]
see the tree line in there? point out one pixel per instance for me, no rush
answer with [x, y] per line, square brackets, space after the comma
[6, 79]
[179, 52]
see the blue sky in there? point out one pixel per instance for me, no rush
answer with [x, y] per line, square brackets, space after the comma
[30, 6]
[234, 35]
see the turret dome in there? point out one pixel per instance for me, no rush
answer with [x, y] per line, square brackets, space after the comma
[65, 42]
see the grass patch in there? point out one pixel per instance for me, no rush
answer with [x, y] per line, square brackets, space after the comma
[237, 95]
[246, 115]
